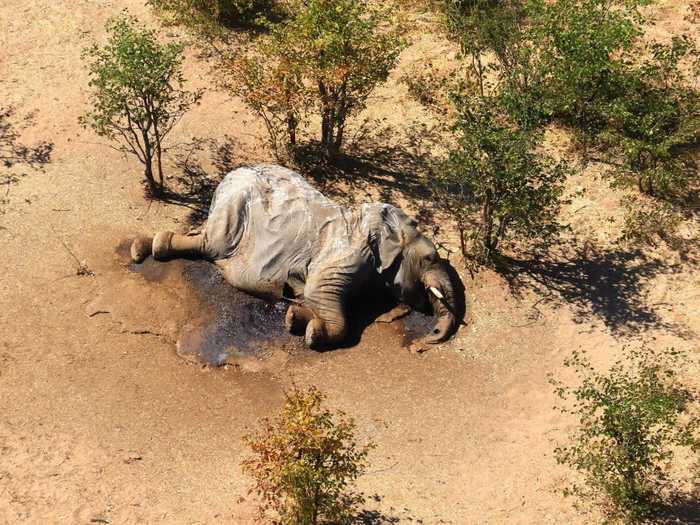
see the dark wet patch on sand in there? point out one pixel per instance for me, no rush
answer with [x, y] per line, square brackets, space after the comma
[233, 326]
[223, 325]
[416, 326]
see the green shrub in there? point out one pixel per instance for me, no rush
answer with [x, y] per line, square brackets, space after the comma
[631, 421]
[643, 110]
[210, 19]
[329, 55]
[137, 94]
[270, 81]
[654, 123]
[648, 222]
[584, 63]
[303, 462]
[496, 170]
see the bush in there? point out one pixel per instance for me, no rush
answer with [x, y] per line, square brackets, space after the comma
[137, 94]
[644, 110]
[583, 63]
[495, 169]
[303, 462]
[209, 19]
[270, 81]
[654, 123]
[497, 41]
[630, 422]
[328, 56]
[648, 222]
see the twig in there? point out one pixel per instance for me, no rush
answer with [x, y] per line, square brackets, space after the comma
[382, 469]
[82, 266]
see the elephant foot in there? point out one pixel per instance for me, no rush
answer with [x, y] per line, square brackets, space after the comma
[141, 248]
[322, 335]
[161, 246]
[315, 335]
[297, 319]
[394, 314]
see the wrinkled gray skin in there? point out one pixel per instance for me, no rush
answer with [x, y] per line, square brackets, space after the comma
[275, 236]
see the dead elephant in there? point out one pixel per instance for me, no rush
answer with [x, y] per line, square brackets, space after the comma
[275, 236]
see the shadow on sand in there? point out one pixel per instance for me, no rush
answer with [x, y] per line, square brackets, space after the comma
[686, 512]
[605, 284]
[375, 167]
[13, 153]
[195, 185]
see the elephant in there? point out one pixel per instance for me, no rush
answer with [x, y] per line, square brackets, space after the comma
[274, 236]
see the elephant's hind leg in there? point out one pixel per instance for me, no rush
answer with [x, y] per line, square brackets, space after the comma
[167, 245]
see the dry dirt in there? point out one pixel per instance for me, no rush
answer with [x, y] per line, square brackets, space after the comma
[101, 421]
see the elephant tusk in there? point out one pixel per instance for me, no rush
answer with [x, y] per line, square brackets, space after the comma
[441, 297]
[437, 293]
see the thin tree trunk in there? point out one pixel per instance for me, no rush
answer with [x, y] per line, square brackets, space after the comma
[159, 162]
[487, 225]
[292, 129]
[148, 172]
[159, 152]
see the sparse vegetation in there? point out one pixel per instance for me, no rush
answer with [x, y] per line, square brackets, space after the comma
[650, 222]
[210, 19]
[137, 93]
[13, 153]
[304, 461]
[632, 420]
[584, 64]
[495, 170]
[325, 59]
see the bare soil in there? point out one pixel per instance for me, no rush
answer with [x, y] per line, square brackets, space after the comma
[102, 420]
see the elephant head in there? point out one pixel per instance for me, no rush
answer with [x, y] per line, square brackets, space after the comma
[417, 275]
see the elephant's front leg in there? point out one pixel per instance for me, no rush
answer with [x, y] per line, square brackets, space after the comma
[326, 294]
[399, 311]
[297, 319]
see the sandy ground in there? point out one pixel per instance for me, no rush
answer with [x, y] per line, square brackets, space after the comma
[102, 422]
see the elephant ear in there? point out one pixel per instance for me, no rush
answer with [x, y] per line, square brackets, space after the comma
[395, 231]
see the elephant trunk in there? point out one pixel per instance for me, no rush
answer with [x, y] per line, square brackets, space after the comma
[443, 299]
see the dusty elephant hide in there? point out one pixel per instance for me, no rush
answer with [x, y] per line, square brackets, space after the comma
[268, 229]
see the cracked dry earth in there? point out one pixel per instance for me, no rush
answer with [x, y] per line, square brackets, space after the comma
[107, 414]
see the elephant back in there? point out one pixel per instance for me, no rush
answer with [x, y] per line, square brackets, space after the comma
[268, 225]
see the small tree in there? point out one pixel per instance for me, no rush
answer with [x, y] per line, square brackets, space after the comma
[269, 79]
[495, 169]
[655, 122]
[137, 93]
[631, 421]
[335, 51]
[303, 462]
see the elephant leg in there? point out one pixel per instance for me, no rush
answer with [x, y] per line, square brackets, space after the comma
[297, 319]
[327, 293]
[322, 333]
[395, 313]
[167, 245]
